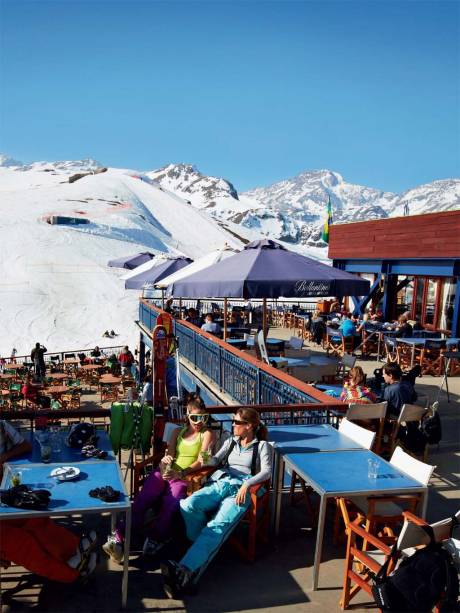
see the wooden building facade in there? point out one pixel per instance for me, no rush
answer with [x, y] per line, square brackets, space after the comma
[413, 264]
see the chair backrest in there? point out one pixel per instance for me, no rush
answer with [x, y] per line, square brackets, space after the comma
[420, 471]
[169, 429]
[348, 360]
[411, 412]
[295, 342]
[260, 340]
[366, 411]
[357, 433]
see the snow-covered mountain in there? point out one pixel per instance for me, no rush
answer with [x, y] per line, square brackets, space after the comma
[293, 210]
[56, 286]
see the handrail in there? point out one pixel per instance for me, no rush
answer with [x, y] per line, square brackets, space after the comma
[18, 359]
[243, 377]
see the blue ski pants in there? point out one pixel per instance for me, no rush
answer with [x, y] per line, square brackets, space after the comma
[208, 536]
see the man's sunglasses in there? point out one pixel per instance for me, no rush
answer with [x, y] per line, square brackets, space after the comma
[238, 422]
[196, 418]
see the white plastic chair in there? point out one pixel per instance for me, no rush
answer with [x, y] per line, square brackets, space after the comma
[357, 433]
[420, 471]
[295, 342]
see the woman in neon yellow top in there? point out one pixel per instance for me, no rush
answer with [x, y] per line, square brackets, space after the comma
[167, 486]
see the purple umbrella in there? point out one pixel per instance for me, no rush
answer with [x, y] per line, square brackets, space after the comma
[157, 272]
[132, 261]
[266, 269]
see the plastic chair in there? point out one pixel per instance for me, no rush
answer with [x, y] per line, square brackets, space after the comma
[370, 412]
[358, 434]
[347, 361]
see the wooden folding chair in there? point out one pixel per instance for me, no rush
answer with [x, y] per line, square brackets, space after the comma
[361, 564]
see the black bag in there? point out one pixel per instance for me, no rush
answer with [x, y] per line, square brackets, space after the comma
[430, 426]
[420, 582]
[412, 437]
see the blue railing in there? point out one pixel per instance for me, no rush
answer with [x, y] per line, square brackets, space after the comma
[244, 381]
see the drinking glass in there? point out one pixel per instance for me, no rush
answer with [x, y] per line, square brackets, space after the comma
[45, 452]
[16, 478]
[372, 468]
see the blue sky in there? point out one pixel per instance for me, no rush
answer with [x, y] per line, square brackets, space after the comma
[254, 91]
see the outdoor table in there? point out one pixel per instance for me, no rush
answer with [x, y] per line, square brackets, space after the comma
[269, 342]
[6, 376]
[55, 390]
[71, 361]
[92, 367]
[345, 473]
[57, 375]
[238, 343]
[14, 366]
[110, 379]
[325, 387]
[416, 341]
[448, 356]
[72, 497]
[291, 362]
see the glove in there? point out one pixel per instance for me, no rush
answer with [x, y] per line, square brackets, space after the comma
[23, 497]
[106, 493]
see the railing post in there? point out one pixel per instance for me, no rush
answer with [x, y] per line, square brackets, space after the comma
[258, 399]
[220, 370]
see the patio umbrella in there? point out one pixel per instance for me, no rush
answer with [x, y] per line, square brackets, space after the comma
[207, 260]
[131, 261]
[265, 269]
[149, 273]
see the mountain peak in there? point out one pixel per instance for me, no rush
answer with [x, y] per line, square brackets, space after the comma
[8, 162]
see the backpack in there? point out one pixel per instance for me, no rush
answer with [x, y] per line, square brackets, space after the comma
[431, 427]
[420, 581]
[82, 434]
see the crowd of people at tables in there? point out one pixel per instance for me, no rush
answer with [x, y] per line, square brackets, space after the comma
[200, 522]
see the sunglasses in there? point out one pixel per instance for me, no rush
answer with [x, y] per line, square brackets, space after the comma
[196, 418]
[238, 422]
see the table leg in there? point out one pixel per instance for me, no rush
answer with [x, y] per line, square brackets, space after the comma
[412, 357]
[424, 503]
[124, 585]
[279, 473]
[319, 541]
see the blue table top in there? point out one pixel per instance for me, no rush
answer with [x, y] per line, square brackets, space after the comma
[416, 340]
[330, 386]
[309, 439]
[69, 496]
[291, 361]
[345, 473]
[67, 454]
[268, 341]
[238, 342]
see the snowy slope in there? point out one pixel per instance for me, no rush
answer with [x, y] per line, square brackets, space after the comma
[56, 286]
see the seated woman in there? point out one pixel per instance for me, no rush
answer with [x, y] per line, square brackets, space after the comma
[38, 544]
[244, 460]
[404, 329]
[29, 390]
[354, 390]
[183, 456]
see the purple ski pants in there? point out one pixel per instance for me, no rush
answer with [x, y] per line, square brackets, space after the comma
[155, 490]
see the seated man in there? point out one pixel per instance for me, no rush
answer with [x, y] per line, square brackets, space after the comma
[210, 326]
[194, 318]
[39, 544]
[396, 392]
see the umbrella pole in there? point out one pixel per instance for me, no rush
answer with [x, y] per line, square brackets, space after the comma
[162, 298]
[264, 317]
[180, 309]
[225, 319]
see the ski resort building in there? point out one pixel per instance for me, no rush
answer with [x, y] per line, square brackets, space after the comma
[413, 264]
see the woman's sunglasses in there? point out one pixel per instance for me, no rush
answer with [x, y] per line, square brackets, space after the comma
[196, 418]
[238, 422]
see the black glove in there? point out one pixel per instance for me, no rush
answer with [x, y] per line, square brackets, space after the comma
[23, 497]
[106, 493]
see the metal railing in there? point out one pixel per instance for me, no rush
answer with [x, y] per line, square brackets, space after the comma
[49, 356]
[244, 379]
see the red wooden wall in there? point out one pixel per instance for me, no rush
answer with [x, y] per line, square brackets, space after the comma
[434, 235]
